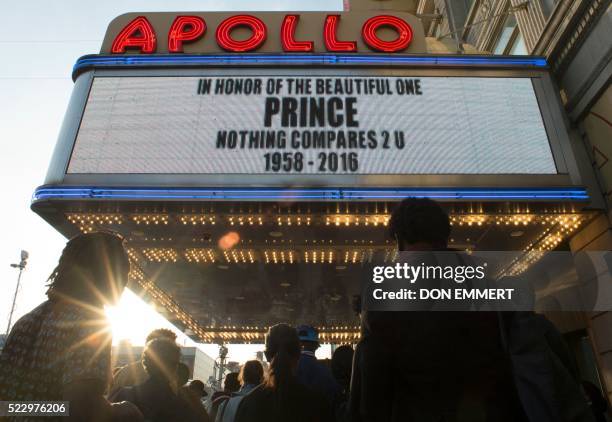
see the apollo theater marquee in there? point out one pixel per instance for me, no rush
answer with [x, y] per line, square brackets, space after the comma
[251, 160]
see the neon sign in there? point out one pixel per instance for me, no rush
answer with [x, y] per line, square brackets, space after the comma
[140, 36]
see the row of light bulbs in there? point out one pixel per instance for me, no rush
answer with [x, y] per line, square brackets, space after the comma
[200, 255]
[160, 254]
[268, 256]
[239, 256]
[87, 219]
[198, 219]
[550, 240]
[276, 257]
[147, 219]
[82, 219]
[514, 219]
[357, 220]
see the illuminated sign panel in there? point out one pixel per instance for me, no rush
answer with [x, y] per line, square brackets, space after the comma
[311, 125]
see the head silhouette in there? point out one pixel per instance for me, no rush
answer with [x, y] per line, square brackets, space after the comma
[160, 359]
[197, 388]
[161, 333]
[342, 364]
[231, 383]
[283, 353]
[93, 269]
[420, 224]
[251, 373]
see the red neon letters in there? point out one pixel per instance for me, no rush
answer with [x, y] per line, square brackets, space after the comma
[137, 34]
[288, 40]
[257, 38]
[329, 36]
[185, 28]
[404, 31]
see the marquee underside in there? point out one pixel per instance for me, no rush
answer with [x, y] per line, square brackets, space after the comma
[225, 271]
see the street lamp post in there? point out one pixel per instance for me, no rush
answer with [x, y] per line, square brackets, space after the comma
[22, 264]
[216, 380]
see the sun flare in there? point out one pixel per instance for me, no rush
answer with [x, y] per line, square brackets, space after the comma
[132, 319]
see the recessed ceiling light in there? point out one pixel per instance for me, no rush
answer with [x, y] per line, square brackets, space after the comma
[517, 233]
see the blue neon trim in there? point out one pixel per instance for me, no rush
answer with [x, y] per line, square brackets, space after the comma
[58, 193]
[174, 60]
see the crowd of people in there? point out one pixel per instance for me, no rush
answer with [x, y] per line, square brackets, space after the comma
[408, 366]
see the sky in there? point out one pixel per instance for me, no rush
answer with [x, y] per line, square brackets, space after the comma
[40, 41]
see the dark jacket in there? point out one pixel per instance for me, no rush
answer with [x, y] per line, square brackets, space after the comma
[301, 404]
[157, 402]
[544, 370]
[432, 366]
[316, 376]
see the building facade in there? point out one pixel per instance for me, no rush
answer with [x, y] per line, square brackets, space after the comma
[227, 250]
[575, 37]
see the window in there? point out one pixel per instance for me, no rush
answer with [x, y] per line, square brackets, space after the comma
[510, 40]
[548, 6]
[505, 37]
[438, 29]
[518, 46]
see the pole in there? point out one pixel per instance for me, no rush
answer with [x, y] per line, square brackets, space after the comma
[22, 264]
[8, 327]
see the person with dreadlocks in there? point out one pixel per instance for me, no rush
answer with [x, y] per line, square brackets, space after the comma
[281, 397]
[61, 351]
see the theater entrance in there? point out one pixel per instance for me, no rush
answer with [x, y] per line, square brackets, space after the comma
[224, 271]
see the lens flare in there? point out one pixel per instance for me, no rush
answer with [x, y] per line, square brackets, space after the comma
[229, 240]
